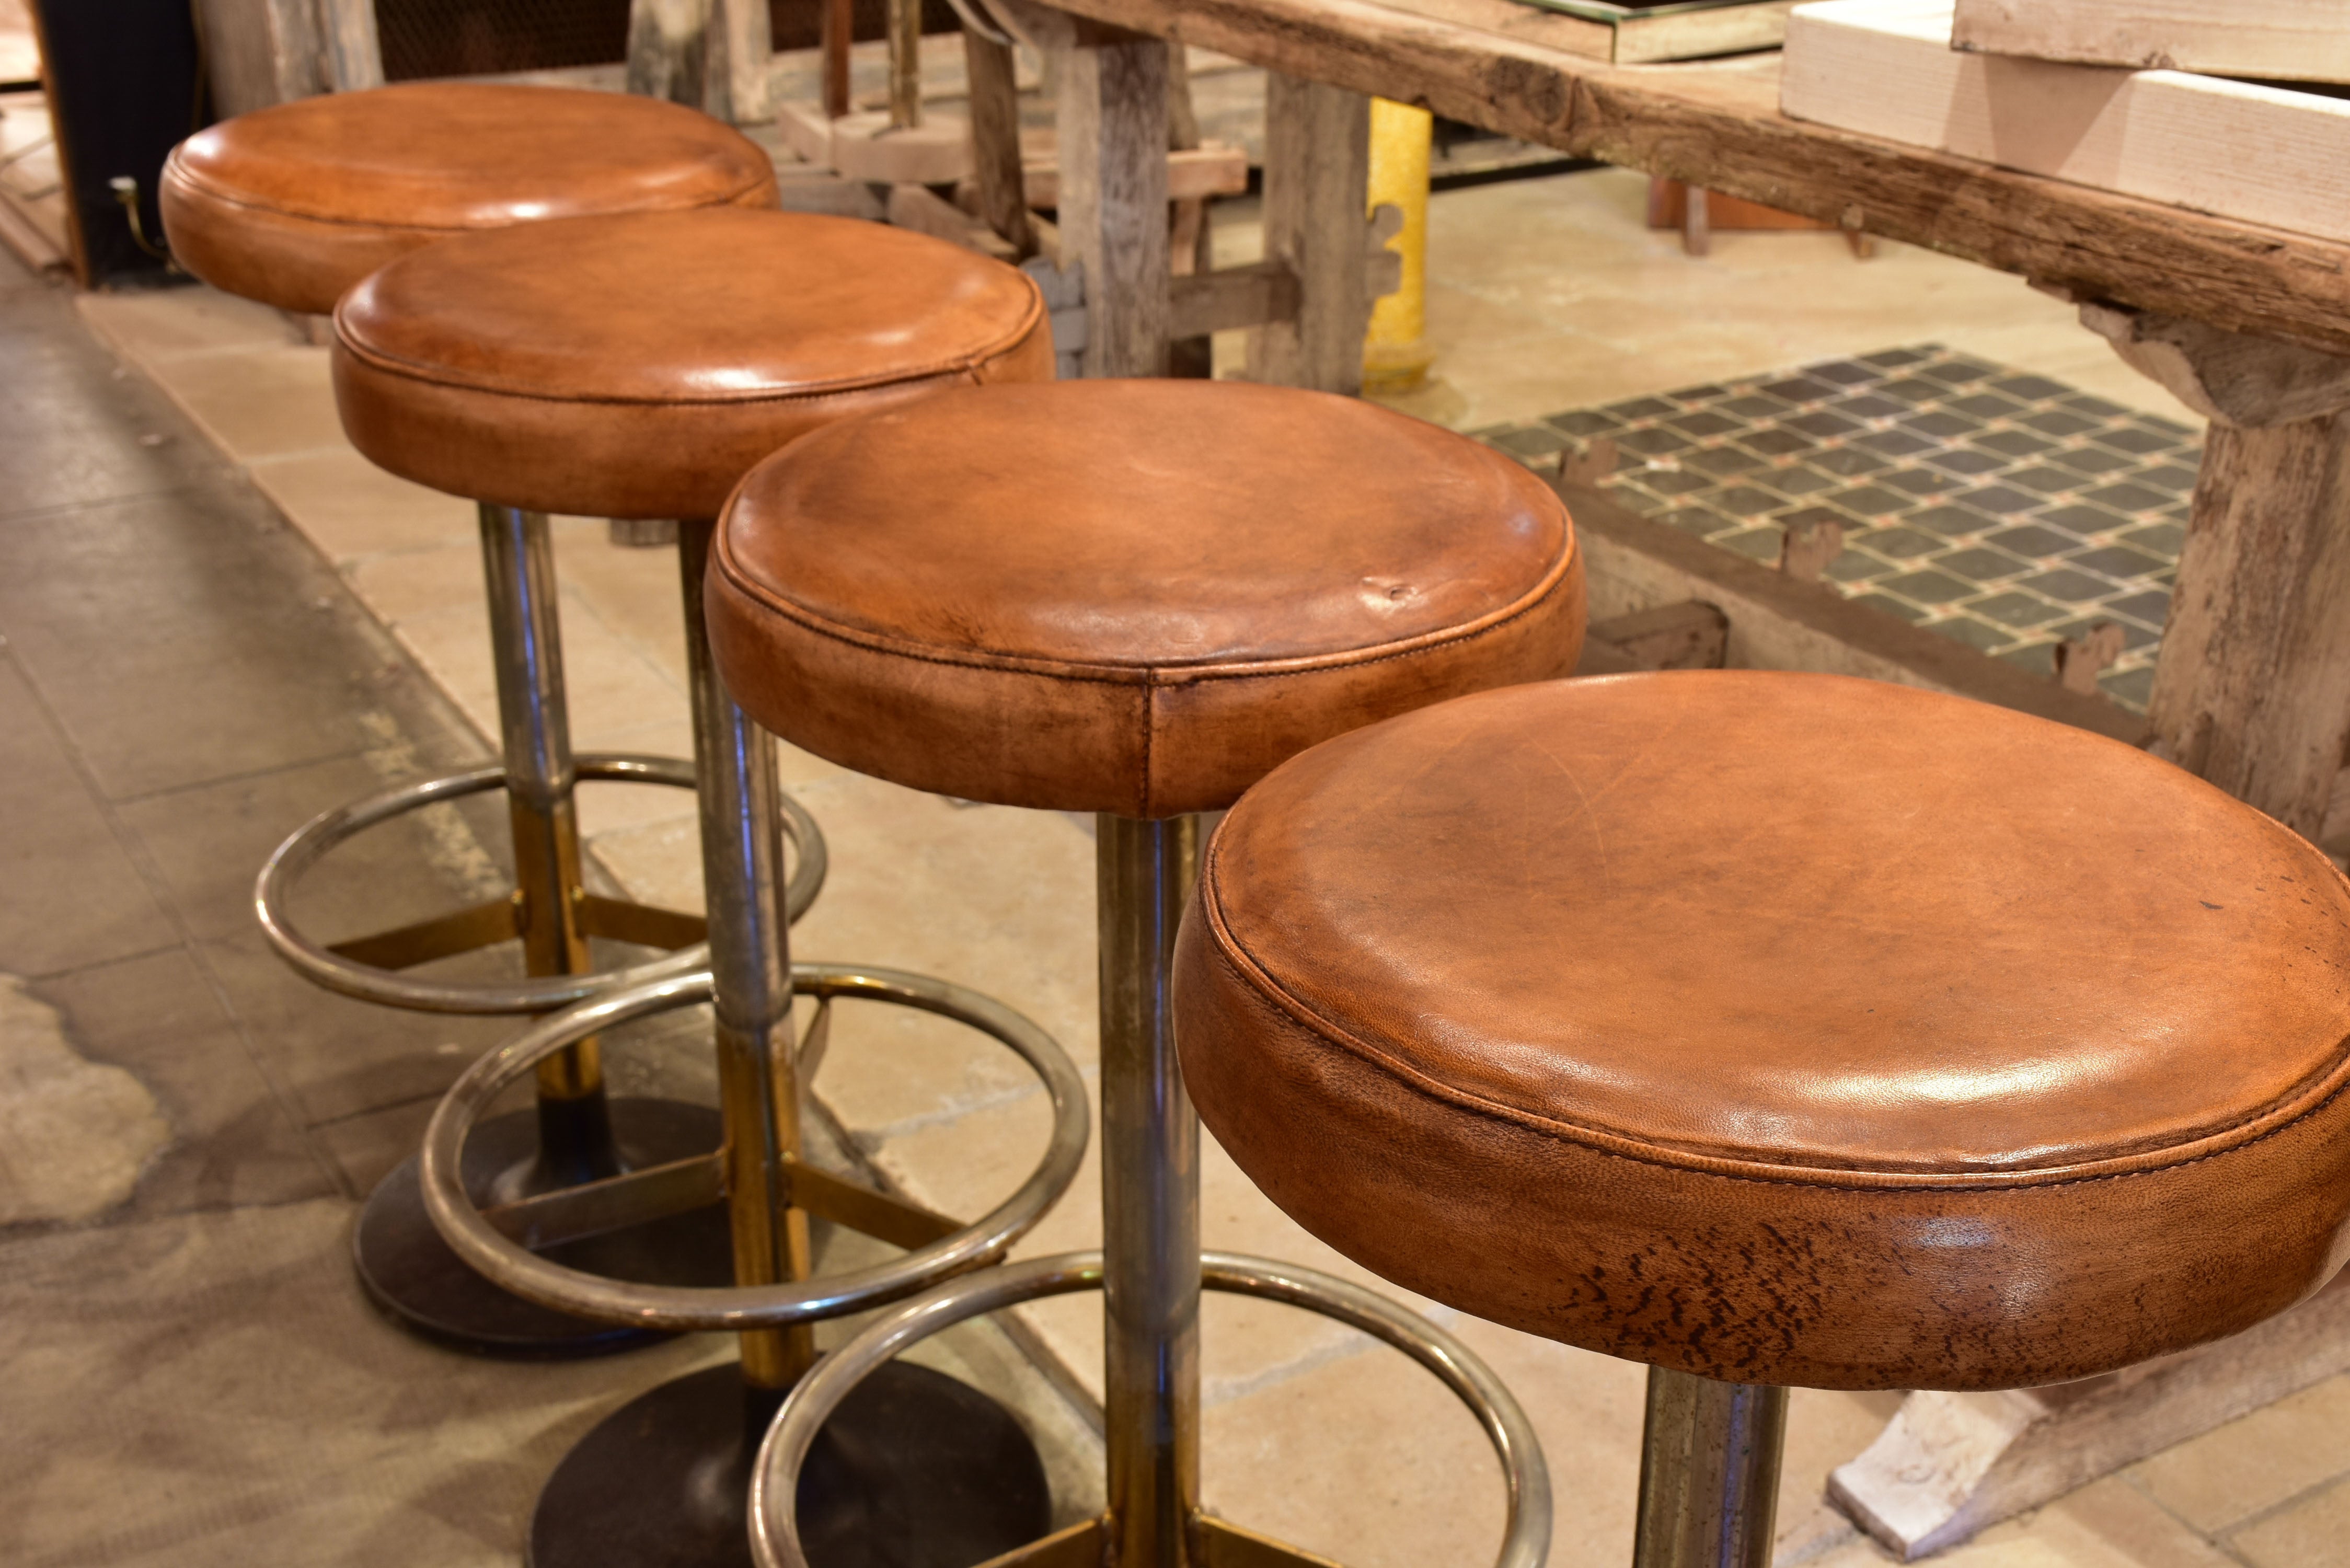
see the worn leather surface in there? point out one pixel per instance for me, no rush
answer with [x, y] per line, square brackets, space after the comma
[638, 365]
[1783, 1029]
[292, 204]
[1132, 596]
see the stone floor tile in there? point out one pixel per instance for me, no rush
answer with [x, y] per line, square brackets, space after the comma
[2311, 1534]
[325, 1433]
[606, 807]
[257, 404]
[234, 1139]
[199, 640]
[2255, 1461]
[400, 586]
[209, 843]
[635, 590]
[2106, 1524]
[607, 683]
[76, 428]
[76, 897]
[353, 510]
[171, 323]
[76, 1133]
[1366, 1459]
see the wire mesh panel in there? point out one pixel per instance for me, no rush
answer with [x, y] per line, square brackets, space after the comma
[480, 37]
[476, 37]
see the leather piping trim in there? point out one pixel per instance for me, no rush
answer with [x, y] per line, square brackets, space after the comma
[1157, 675]
[2254, 1129]
[967, 364]
[173, 168]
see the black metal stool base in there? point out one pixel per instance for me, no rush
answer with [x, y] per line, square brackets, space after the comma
[414, 1277]
[915, 1469]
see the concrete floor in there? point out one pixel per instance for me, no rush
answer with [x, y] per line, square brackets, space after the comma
[218, 619]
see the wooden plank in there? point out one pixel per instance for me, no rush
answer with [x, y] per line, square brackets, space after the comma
[1691, 634]
[1948, 1465]
[2253, 692]
[924, 209]
[1231, 297]
[1112, 154]
[2290, 40]
[1317, 162]
[1214, 170]
[354, 54]
[1777, 622]
[1885, 68]
[1719, 126]
[1000, 187]
[259, 52]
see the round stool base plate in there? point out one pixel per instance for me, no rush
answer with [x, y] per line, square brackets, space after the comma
[914, 1471]
[411, 1275]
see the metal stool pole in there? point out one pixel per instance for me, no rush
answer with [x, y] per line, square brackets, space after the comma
[534, 734]
[751, 976]
[1708, 1472]
[1150, 1196]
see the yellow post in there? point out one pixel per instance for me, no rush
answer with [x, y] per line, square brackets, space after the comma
[1395, 353]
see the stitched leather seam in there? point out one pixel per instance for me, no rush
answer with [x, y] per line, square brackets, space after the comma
[1256, 979]
[211, 192]
[968, 363]
[1156, 677]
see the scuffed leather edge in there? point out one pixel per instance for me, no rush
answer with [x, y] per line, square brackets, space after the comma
[2313, 1099]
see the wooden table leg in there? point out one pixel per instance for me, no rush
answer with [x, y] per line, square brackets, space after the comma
[1317, 167]
[2252, 688]
[1112, 153]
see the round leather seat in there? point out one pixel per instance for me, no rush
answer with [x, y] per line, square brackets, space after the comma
[1783, 1029]
[638, 365]
[1127, 596]
[292, 204]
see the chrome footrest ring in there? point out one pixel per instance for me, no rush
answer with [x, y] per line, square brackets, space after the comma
[322, 833]
[679, 1308]
[774, 1477]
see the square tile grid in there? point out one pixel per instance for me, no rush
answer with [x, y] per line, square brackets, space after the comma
[2002, 508]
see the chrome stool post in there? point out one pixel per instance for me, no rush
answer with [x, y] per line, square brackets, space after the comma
[1708, 1472]
[575, 1133]
[1150, 1272]
[666, 1479]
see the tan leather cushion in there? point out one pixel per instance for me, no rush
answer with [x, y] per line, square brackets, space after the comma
[1132, 596]
[637, 367]
[1783, 1029]
[292, 205]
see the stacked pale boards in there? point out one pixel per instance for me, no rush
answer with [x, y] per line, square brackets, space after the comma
[2059, 87]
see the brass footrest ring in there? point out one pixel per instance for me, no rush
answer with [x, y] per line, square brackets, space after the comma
[939, 1248]
[774, 1478]
[371, 982]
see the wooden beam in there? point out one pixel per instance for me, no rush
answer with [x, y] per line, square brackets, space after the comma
[999, 185]
[1778, 622]
[924, 209]
[1948, 1465]
[1192, 173]
[2225, 376]
[1691, 634]
[1719, 125]
[1112, 153]
[1230, 299]
[1888, 70]
[353, 52]
[2296, 40]
[1317, 161]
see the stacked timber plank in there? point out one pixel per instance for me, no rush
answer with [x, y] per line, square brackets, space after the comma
[2293, 40]
[2255, 152]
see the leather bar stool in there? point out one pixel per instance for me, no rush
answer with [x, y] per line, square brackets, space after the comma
[637, 367]
[1777, 1029]
[1132, 598]
[292, 206]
